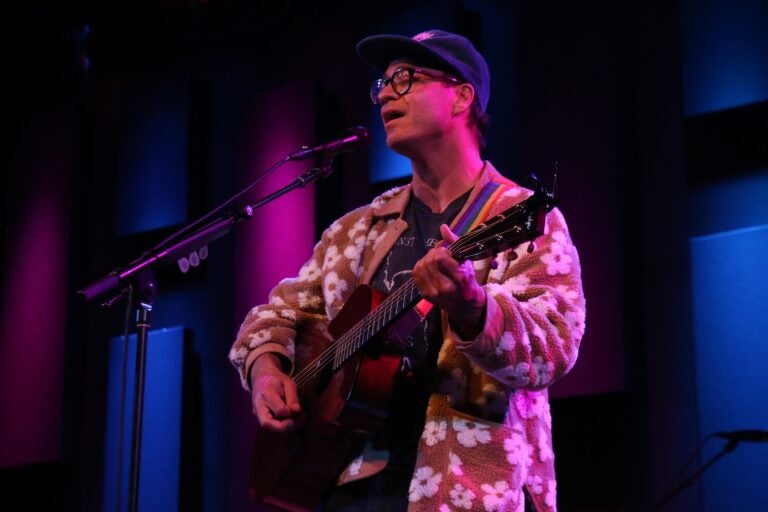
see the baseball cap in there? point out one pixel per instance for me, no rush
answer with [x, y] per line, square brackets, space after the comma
[438, 49]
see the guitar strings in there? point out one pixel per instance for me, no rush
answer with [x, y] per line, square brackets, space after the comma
[371, 324]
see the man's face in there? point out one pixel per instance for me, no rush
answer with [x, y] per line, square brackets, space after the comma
[423, 115]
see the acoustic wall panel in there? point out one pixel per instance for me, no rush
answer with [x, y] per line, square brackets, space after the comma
[158, 488]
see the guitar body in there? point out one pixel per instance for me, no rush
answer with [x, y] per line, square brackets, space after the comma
[293, 470]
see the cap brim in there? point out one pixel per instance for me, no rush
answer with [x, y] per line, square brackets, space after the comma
[379, 51]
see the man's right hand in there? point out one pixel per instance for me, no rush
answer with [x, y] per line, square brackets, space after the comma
[274, 397]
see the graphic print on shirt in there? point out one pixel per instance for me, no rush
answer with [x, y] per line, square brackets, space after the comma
[401, 276]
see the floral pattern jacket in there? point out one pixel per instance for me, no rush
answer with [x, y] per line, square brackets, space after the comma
[488, 432]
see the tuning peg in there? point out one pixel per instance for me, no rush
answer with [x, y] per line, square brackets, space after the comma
[494, 264]
[531, 248]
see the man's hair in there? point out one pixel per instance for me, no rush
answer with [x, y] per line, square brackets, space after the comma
[479, 121]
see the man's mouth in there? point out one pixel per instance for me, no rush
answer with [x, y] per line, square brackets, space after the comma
[389, 115]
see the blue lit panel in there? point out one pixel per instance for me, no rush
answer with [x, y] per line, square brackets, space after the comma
[161, 441]
[725, 54]
[385, 164]
[730, 205]
[152, 179]
[730, 308]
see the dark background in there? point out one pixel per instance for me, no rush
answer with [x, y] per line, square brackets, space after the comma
[126, 121]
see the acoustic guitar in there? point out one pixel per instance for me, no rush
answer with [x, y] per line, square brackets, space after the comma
[344, 391]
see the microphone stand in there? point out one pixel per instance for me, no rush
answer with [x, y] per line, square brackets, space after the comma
[138, 276]
[695, 475]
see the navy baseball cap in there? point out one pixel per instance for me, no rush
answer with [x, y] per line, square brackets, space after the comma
[445, 51]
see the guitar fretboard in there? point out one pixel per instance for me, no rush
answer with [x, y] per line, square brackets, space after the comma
[374, 322]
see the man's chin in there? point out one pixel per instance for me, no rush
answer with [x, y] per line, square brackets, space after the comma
[399, 144]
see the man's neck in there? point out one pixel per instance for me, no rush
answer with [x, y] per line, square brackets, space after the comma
[441, 177]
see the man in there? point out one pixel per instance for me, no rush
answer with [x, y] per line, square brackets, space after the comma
[468, 425]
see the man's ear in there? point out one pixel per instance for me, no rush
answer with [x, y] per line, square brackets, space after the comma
[465, 95]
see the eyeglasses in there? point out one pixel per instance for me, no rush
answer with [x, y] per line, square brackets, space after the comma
[401, 80]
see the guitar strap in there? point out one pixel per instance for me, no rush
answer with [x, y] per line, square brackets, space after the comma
[479, 209]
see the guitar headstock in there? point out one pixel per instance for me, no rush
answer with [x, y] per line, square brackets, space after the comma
[521, 223]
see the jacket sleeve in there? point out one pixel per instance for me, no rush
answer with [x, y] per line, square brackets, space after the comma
[535, 315]
[273, 327]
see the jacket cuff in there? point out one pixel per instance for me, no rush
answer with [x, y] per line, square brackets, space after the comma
[488, 338]
[267, 348]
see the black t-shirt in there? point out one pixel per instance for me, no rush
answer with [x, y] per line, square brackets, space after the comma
[414, 384]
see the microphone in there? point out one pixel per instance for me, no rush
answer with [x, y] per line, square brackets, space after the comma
[747, 436]
[357, 139]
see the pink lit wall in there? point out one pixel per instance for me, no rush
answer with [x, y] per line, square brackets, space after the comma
[279, 237]
[276, 241]
[34, 298]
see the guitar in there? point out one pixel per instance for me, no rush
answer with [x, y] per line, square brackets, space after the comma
[344, 391]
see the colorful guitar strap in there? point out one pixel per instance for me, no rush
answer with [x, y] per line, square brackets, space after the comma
[479, 209]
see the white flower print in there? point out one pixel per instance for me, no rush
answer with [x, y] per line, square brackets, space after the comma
[264, 314]
[307, 300]
[517, 284]
[518, 451]
[496, 274]
[496, 289]
[353, 252]
[259, 337]
[496, 495]
[334, 288]
[333, 229]
[288, 314]
[274, 300]
[469, 433]
[239, 354]
[309, 272]
[454, 464]
[534, 484]
[567, 292]
[425, 483]
[575, 317]
[557, 260]
[506, 343]
[434, 432]
[551, 497]
[532, 404]
[518, 374]
[383, 198]
[462, 497]
[541, 370]
[545, 448]
[539, 405]
[331, 258]
[359, 226]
